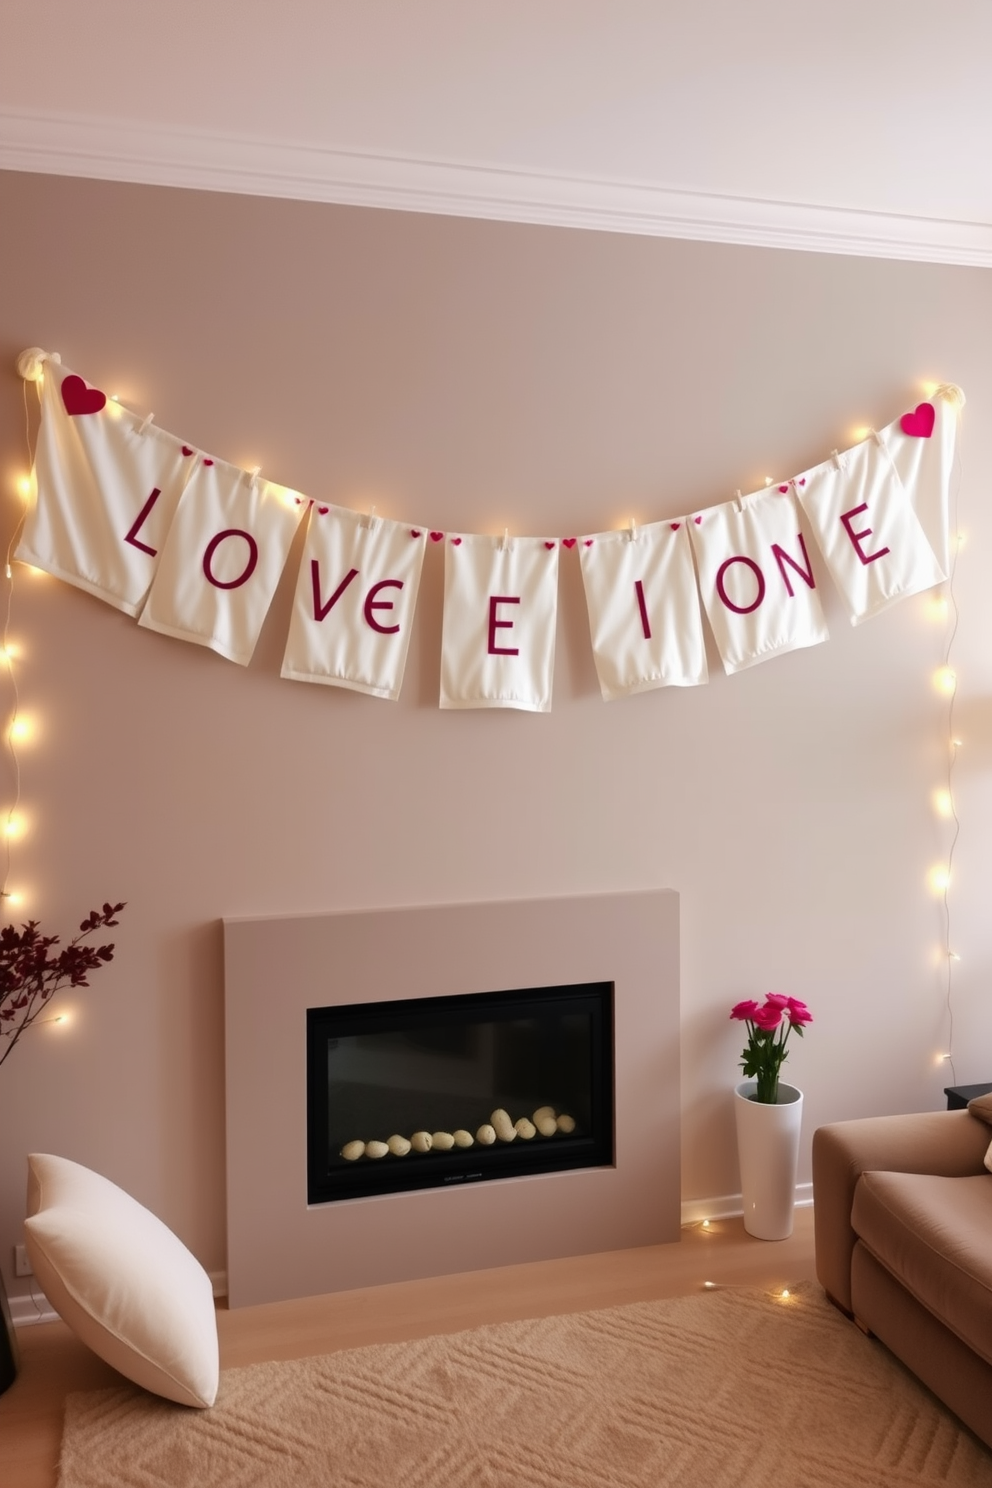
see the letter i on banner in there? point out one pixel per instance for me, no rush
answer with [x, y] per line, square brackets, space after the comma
[356, 595]
[107, 486]
[500, 615]
[643, 604]
[756, 579]
[871, 538]
[222, 559]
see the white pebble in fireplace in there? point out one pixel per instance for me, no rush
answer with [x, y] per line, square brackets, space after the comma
[279, 1246]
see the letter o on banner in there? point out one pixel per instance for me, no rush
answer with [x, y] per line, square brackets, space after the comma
[721, 590]
[249, 567]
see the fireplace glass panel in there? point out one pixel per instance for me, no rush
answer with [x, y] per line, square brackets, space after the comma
[443, 1066]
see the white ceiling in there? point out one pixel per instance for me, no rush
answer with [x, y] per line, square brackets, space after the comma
[862, 126]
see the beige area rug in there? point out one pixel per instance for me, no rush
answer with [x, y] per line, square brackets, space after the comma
[728, 1389]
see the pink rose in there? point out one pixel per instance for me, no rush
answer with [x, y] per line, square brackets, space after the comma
[777, 1000]
[743, 1011]
[767, 1018]
[799, 1012]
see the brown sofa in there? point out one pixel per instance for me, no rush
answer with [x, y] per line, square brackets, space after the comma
[903, 1222]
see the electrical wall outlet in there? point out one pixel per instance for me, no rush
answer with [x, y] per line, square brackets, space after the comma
[22, 1266]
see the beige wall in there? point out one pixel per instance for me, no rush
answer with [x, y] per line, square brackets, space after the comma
[477, 375]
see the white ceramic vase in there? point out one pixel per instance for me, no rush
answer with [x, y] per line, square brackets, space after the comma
[768, 1149]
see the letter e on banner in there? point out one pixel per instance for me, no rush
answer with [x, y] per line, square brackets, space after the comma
[371, 603]
[495, 624]
[857, 538]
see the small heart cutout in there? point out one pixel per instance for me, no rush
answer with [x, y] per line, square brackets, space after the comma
[697, 520]
[675, 526]
[456, 541]
[187, 451]
[208, 462]
[569, 542]
[78, 398]
[323, 510]
[919, 423]
[549, 546]
[803, 481]
[414, 532]
[783, 489]
[436, 536]
[588, 542]
[299, 500]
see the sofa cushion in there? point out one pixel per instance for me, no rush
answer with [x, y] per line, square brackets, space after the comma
[982, 1108]
[933, 1235]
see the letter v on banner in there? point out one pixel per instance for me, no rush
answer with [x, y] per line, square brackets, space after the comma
[107, 487]
[500, 614]
[359, 636]
[748, 554]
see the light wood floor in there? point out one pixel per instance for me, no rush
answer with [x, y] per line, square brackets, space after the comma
[54, 1363]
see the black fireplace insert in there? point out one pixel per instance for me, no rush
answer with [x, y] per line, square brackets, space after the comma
[436, 1091]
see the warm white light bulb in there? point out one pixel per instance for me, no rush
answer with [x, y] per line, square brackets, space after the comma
[24, 487]
[785, 1294]
[945, 679]
[20, 730]
[940, 878]
[943, 803]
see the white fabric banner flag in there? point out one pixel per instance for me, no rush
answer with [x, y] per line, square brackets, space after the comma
[500, 611]
[644, 618]
[756, 579]
[106, 487]
[222, 559]
[866, 529]
[922, 445]
[355, 600]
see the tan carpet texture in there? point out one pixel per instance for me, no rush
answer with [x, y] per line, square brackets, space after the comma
[728, 1389]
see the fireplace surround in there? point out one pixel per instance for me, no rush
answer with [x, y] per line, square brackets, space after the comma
[277, 969]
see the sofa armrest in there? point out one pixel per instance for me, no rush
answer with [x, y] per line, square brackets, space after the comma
[949, 1144]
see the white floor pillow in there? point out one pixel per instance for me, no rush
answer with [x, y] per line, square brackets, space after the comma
[122, 1281]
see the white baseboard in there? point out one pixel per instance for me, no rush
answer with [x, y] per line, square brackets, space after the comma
[29, 1308]
[731, 1206]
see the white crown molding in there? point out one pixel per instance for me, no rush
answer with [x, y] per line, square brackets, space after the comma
[166, 155]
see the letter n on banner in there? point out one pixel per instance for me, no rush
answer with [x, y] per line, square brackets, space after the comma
[356, 595]
[755, 577]
[500, 616]
[107, 486]
[222, 559]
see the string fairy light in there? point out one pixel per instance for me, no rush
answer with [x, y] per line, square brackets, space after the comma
[944, 800]
[17, 729]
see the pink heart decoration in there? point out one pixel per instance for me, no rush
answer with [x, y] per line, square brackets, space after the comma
[675, 526]
[569, 542]
[299, 500]
[78, 398]
[803, 481]
[323, 510]
[414, 532]
[456, 541]
[588, 542]
[187, 451]
[208, 462]
[697, 520]
[919, 423]
[436, 536]
[549, 546]
[783, 489]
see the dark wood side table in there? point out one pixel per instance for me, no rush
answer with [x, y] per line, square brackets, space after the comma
[958, 1096]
